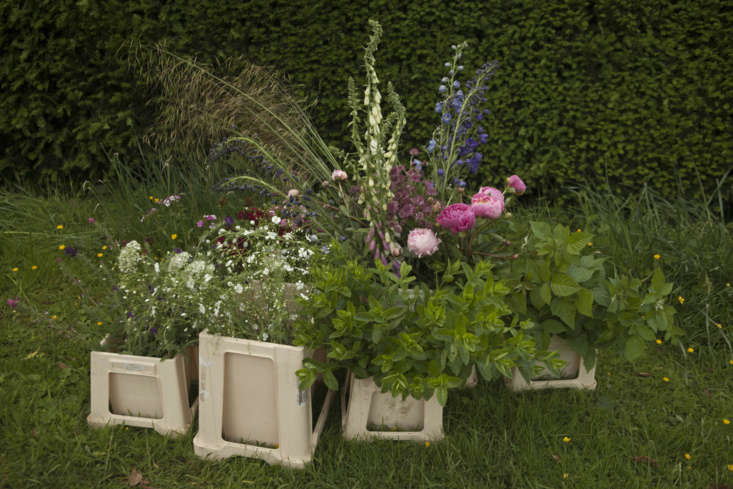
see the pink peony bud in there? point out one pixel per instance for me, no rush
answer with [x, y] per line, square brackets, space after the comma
[339, 175]
[422, 242]
[457, 217]
[516, 184]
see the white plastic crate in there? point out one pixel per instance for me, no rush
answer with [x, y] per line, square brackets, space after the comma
[370, 413]
[573, 376]
[140, 391]
[251, 404]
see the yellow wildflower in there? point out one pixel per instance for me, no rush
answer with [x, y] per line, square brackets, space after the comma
[566, 439]
[690, 350]
[60, 226]
[657, 256]
[174, 236]
[681, 299]
[666, 379]
[659, 342]
[15, 269]
[720, 326]
[34, 267]
[100, 255]
[726, 421]
[688, 456]
[54, 316]
[590, 243]
[427, 443]
[104, 247]
[61, 247]
[99, 323]
[565, 476]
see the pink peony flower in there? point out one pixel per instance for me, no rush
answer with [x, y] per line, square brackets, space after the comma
[493, 191]
[488, 204]
[516, 184]
[457, 217]
[422, 242]
[339, 175]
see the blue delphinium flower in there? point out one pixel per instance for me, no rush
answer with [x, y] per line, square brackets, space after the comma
[439, 107]
[442, 88]
[446, 117]
[431, 145]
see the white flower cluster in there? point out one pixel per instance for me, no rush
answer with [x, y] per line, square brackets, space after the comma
[129, 257]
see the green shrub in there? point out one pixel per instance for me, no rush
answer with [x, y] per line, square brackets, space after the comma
[587, 92]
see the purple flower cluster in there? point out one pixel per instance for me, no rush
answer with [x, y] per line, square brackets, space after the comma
[413, 204]
[461, 115]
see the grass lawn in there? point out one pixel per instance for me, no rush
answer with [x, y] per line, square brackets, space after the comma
[664, 421]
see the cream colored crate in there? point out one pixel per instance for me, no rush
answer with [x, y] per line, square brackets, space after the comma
[573, 376]
[408, 419]
[251, 404]
[146, 392]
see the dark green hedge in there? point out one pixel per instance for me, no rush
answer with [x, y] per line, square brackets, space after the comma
[622, 91]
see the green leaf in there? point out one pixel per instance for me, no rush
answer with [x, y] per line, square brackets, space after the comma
[441, 393]
[645, 332]
[553, 326]
[330, 380]
[306, 377]
[634, 348]
[541, 229]
[536, 299]
[584, 302]
[543, 270]
[577, 242]
[562, 285]
[545, 293]
[601, 296]
[579, 273]
[657, 320]
[565, 310]
[658, 279]
[517, 302]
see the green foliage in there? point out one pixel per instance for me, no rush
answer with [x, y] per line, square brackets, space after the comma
[412, 340]
[586, 92]
[565, 290]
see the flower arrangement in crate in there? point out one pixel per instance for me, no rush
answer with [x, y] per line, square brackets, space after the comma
[430, 308]
[238, 281]
[418, 221]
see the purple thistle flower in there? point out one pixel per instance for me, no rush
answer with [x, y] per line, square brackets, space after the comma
[13, 302]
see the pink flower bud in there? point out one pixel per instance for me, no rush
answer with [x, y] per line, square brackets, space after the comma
[339, 175]
[516, 184]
